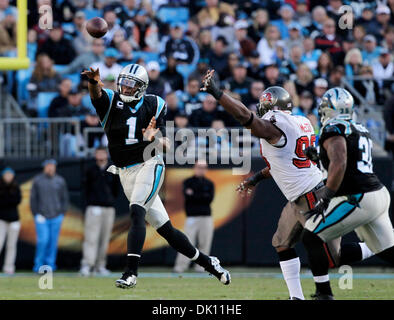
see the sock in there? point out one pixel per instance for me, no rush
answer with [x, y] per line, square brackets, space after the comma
[318, 261]
[181, 243]
[135, 238]
[323, 284]
[354, 252]
[387, 255]
[291, 274]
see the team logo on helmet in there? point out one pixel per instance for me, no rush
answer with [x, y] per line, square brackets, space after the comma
[267, 99]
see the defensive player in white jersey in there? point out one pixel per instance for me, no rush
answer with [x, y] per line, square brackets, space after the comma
[284, 137]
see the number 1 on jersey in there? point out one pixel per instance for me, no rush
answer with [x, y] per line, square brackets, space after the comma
[132, 124]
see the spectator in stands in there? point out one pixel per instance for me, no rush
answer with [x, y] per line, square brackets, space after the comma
[59, 49]
[295, 36]
[310, 55]
[172, 105]
[306, 109]
[289, 66]
[320, 86]
[145, 32]
[367, 87]
[201, 70]
[256, 30]
[371, 51]
[272, 76]
[117, 39]
[329, 40]
[125, 53]
[319, 16]
[302, 14]
[209, 15]
[359, 34]
[252, 99]
[353, 63]
[225, 28]
[85, 60]
[324, 66]
[368, 20]
[336, 76]
[205, 43]
[204, 116]
[6, 42]
[61, 101]
[218, 56]
[109, 68]
[192, 98]
[199, 193]
[8, 18]
[245, 44]
[157, 85]
[111, 19]
[182, 48]
[239, 83]
[304, 79]
[171, 75]
[286, 13]
[290, 87]
[388, 41]
[44, 78]
[255, 69]
[181, 120]
[48, 202]
[102, 189]
[383, 17]
[10, 198]
[267, 45]
[383, 68]
[82, 40]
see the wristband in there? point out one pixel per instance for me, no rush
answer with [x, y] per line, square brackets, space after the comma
[254, 180]
[92, 81]
[249, 122]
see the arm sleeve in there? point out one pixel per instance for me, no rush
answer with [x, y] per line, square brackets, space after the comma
[160, 115]
[103, 104]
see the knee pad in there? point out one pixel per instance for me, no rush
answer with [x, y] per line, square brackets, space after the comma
[137, 215]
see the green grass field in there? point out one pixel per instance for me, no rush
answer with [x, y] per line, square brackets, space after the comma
[250, 284]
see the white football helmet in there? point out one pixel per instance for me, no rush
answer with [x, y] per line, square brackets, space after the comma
[132, 82]
[336, 103]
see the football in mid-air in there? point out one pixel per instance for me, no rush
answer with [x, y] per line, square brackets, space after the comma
[97, 27]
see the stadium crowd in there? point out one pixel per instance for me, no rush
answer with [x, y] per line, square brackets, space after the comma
[306, 46]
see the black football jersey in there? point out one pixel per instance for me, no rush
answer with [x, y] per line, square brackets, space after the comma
[359, 176]
[123, 123]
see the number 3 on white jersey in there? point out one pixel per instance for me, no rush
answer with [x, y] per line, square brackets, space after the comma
[365, 164]
[132, 124]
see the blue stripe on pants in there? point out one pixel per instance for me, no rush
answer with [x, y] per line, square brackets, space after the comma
[47, 233]
[158, 172]
[337, 214]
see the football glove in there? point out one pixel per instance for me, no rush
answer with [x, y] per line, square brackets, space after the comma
[311, 154]
[321, 206]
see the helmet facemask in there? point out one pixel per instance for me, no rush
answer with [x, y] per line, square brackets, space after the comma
[130, 88]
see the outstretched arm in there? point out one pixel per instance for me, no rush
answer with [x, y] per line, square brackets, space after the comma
[260, 128]
[95, 83]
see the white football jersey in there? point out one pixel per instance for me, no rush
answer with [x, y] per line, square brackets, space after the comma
[292, 171]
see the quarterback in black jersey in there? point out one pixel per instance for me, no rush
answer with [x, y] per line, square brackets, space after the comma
[131, 120]
[356, 199]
